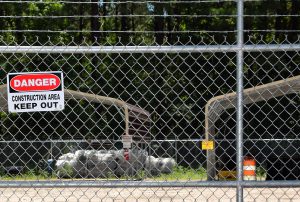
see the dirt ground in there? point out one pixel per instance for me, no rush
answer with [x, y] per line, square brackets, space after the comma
[145, 194]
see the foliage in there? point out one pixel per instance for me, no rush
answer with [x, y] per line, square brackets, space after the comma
[261, 172]
[174, 19]
[173, 87]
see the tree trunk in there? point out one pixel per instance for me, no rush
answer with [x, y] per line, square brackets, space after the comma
[95, 25]
[293, 37]
[103, 12]
[294, 20]
[158, 23]
[169, 25]
[124, 24]
[18, 21]
[2, 20]
[81, 12]
[132, 19]
[279, 22]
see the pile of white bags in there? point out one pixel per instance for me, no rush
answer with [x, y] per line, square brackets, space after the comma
[86, 163]
[95, 164]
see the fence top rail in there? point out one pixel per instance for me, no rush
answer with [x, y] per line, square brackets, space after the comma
[147, 49]
[128, 183]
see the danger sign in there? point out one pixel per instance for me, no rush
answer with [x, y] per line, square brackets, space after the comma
[35, 91]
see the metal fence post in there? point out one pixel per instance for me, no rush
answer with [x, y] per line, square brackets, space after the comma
[239, 114]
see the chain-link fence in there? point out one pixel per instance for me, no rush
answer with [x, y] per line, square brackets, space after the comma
[164, 101]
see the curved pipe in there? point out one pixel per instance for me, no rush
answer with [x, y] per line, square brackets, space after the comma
[71, 94]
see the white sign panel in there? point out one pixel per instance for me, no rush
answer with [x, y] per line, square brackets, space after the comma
[126, 140]
[35, 91]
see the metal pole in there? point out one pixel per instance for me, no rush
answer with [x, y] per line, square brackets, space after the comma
[239, 114]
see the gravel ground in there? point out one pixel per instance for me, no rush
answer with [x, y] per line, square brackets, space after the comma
[145, 194]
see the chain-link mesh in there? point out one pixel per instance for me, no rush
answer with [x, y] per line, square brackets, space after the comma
[161, 75]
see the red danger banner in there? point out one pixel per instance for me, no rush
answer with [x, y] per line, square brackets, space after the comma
[35, 91]
[35, 82]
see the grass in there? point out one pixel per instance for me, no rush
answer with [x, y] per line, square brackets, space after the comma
[29, 175]
[179, 174]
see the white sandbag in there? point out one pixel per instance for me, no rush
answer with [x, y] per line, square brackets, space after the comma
[64, 159]
[156, 166]
[101, 164]
[65, 165]
[167, 165]
[132, 166]
[80, 167]
[152, 166]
